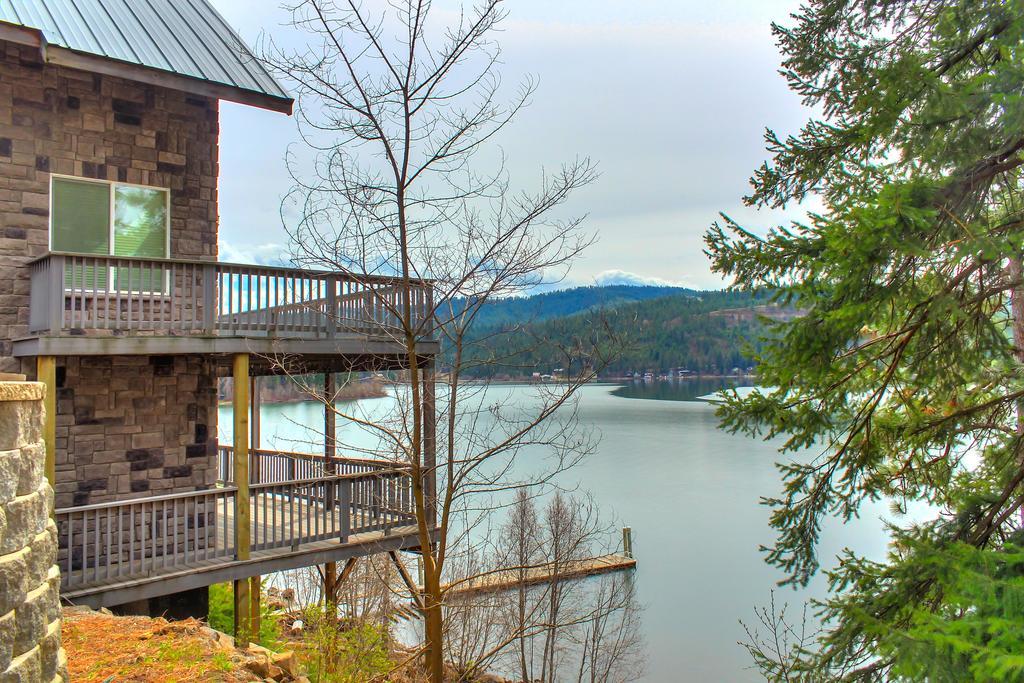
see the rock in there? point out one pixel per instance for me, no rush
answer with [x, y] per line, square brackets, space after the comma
[286, 661]
[259, 667]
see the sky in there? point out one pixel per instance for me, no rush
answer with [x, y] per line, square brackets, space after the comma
[669, 97]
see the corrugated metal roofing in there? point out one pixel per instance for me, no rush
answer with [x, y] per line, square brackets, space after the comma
[185, 37]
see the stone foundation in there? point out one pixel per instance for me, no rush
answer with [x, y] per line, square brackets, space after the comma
[133, 426]
[30, 647]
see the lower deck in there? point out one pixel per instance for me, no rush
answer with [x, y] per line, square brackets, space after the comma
[113, 553]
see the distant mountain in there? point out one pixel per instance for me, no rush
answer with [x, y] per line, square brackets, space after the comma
[566, 302]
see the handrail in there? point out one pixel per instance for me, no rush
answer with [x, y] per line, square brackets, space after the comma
[370, 462]
[348, 275]
[86, 292]
[135, 501]
[223, 489]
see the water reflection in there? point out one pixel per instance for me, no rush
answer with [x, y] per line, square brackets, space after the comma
[689, 389]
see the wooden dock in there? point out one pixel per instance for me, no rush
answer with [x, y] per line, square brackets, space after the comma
[509, 579]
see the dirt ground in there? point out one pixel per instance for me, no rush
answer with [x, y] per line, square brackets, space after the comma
[105, 649]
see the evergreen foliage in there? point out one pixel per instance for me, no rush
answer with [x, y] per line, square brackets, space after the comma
[905, 373]
[681, 330]
[539, 307]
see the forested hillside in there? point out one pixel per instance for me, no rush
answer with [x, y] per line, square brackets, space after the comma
[704, 332]
[539, 307]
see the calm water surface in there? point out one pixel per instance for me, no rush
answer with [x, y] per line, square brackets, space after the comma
[690, 491]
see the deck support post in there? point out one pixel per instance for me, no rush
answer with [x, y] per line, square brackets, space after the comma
[330, 424]
[254, 607]
[240, 411]
[330, 450]
[429, 442]
[46, 372]
[331, 587]
[256, 404]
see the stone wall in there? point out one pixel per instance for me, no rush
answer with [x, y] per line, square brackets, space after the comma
[59, 120]
[30, 648]
[132, 426]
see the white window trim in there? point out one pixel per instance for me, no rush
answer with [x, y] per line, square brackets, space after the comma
[113, 185]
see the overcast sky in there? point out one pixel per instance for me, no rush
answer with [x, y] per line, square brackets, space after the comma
[670, 97]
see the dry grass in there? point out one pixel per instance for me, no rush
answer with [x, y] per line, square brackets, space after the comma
[106, 649]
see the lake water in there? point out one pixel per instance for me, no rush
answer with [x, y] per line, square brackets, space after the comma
[690, 492]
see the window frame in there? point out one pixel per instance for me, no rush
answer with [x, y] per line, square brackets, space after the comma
[113, 185]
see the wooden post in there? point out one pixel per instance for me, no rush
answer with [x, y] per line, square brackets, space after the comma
[254, 607]
[254, 427]
[46, 372]
[330, 424]
[256, 403]
[209, 302]
[429, 442]
[240, 410]
[331, 587]
[627, 541]
[330, 449]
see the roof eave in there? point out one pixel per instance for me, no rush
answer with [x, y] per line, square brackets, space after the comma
[53, 54]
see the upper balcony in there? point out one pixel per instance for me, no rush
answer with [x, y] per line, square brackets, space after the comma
[112, 305]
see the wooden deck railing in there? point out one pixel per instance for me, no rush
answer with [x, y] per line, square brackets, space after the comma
[269, 466]
[111, 542]
[174, 296]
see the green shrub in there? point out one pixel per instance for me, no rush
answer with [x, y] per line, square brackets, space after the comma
[331, 655]
[222, 616]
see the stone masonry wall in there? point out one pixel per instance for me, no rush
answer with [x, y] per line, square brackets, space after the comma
[59, 120]
[132, 426]
[30, 647]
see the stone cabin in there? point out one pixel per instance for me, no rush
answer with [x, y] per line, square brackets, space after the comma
[81, 130]
[112, 295]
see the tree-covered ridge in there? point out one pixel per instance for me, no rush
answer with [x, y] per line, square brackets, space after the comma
[906, 375]
[563, 302]
[703, 332]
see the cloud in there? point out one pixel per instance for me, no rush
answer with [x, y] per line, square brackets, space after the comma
[267, 254]
[622, 277]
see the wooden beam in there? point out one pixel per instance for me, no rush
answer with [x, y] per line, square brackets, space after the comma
[407, 579]
[333, 582]
[46, 372]
[350, 564]
[197, 577]
[240, 412]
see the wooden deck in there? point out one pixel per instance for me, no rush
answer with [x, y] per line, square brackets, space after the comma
[510, 579]
[112, 553]
[87, 304]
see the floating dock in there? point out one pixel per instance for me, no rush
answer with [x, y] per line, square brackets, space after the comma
[509, 579]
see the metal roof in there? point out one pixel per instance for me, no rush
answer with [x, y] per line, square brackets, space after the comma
[184, 37]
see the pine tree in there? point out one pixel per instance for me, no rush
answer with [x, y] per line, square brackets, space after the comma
[905, 375]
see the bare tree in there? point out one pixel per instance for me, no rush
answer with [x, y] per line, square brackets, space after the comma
[396, 110]
[566, 626]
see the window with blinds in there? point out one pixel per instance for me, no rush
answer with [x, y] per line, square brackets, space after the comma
[115, 219]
